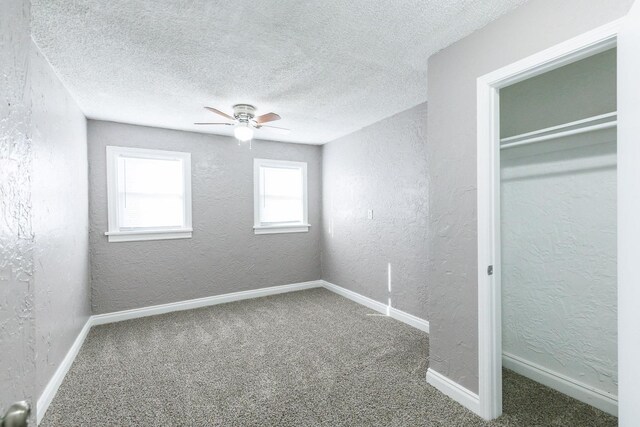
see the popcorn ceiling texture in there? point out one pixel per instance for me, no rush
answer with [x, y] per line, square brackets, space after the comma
[381, 167]
[559, 271]
[224, 254]
[60, 217]
[451, 159]
[17, 318]
[329, 68]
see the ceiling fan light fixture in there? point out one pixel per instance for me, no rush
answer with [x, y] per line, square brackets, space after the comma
[244, 121]
[243, 132]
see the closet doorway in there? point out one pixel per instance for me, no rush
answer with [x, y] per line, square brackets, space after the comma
[558, 220]
[559, 154]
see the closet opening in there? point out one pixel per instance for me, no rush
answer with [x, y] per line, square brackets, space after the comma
[547, 271]
[558, 233]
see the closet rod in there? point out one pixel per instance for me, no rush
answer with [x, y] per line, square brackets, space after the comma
[562, 126]
[560, 134]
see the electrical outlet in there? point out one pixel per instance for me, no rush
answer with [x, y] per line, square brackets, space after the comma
[370, 214]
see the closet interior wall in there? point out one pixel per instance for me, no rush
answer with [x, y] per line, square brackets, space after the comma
[558, 226]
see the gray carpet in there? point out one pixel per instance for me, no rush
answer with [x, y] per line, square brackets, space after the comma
[308, 358]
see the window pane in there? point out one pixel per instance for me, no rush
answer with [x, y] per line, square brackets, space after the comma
[281, 195]
[151, 193]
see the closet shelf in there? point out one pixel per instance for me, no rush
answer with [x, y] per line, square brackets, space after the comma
[590, 124]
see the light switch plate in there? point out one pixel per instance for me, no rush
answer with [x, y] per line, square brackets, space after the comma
[370, 214]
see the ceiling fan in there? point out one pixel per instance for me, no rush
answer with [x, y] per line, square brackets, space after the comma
[245, 121]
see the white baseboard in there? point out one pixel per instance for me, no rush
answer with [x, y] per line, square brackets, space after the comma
[465, 397]
[356, 297]
[597, 398]
[407, 318]
[118, 316]
[51, 389]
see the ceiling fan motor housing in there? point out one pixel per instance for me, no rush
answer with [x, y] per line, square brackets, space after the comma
[244, 113]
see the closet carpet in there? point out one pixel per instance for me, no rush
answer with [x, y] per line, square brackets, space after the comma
[307, 358]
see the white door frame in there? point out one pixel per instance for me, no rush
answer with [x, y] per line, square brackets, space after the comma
[489, 286]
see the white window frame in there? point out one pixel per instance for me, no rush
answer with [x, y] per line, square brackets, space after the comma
[263, 228]
[115, 234]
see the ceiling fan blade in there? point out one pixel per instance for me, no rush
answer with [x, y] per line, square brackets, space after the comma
[226, 124]
[265, 118]
[225, 115]
[284, 130]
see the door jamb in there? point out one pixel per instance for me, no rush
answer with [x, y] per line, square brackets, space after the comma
[488, 145]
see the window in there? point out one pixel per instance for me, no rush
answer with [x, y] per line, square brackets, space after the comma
[280, 196]
[149, 194]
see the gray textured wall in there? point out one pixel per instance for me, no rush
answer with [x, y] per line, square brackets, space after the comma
[224, 255]
[537, 25]
[60, 217]
[382, 167]
[17, 324]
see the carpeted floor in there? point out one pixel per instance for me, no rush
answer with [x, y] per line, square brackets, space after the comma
[308, 358]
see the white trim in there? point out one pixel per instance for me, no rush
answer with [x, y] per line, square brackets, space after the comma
[115, 234]
[134, 236]
[463, 396]
[489, 306]
[576, 389]
[266, 228]
[628, 214]
[356, 297]
[51, 389]
[118, 316]
[488, 197]
[409, 319]
[394, 313]
[572, 50]
[274, 229]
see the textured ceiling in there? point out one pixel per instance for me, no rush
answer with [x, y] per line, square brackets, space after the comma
[327, 67]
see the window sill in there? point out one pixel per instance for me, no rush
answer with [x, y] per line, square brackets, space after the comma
[142, 235]
[276, 229]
